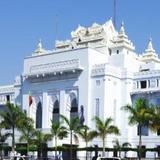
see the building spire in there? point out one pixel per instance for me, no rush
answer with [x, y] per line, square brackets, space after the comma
[39, 49]
[122, 33]
[122, 30]
[40, 43]
[150, 55]
[150, 46]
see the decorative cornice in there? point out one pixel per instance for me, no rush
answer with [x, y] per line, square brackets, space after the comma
[146, 74]
[105, 69]
[62, 66]
[6, 89]
[145, 91]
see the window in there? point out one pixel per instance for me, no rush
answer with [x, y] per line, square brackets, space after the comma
[148, 83]
[74, 106]
[55, 113]
[98, 82]
[8, 98]
[137, 84]
[39, 115]
[143, 130]
[97, 107]
[110, 51]
[158, 132]
[158, 149]
[143, 84]
[157, 82]
[117, 51]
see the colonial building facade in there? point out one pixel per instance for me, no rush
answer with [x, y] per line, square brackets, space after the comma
[94, 73]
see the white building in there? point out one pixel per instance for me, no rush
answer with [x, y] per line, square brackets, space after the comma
[97, 70]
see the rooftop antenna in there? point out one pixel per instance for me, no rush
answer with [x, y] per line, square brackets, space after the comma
[56, 28]
[114, 13]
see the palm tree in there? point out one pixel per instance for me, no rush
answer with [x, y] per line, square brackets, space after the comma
[138, 115]
[11, 119]
[73, 127]
[27, 131]
[87, 135]
[105, 128]
[3, 137]
[40, 140]
[125, 145]
[119, 146]
[57, 131]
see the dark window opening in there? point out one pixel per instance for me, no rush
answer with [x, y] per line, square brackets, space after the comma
[158, 132]
[158, 149]
[55, 110]
[110, 51]
[55, 114]
[39, 115]
[74, 109]
[143, 130]
[148, 83]
[143, 84]
[8, 98]
[117, 51]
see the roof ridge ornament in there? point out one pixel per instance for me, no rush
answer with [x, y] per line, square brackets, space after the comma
[150, 46]
[40, 44]
[39, 49]
[122, 31]
[150, 54]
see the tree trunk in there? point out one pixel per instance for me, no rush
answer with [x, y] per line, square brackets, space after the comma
[86, 150]
[1, 151]
[13, 140]
[27, 148]
[120, 152]
[140, 143]
[56, 146]
[103, 139]
[71, 145]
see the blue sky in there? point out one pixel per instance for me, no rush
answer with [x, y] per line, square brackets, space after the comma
[23, 22]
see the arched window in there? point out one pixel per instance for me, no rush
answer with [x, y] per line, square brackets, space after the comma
[39, 115]
[55, 114]
[74, 107]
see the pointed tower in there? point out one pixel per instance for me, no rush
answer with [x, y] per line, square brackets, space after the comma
[39, 49]
[122, 40]
[150, 55]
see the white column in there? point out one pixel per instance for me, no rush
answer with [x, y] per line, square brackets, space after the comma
[45, 111]
[62, 102]
[147, 84]
[139, 84]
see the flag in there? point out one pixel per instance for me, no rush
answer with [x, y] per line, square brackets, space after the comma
[30, 99]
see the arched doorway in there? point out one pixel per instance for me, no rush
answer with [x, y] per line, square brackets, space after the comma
[55, 113]
[74, 106]
[39, 115]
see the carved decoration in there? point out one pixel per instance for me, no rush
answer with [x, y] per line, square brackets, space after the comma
[55, 67]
